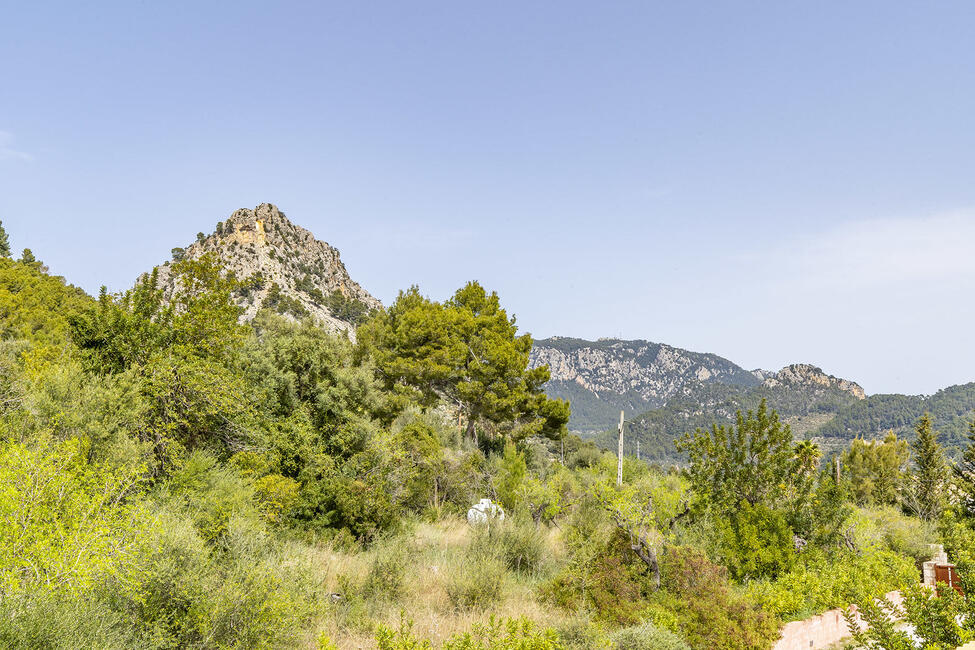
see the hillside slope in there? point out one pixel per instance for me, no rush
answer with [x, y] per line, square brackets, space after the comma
[283, 267]
[804, 396]
[603, 377]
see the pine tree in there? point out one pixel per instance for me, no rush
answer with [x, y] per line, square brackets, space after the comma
[4, 242]
[932, 471]
[965, 470]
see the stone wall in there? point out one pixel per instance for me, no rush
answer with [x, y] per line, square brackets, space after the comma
[820, 631]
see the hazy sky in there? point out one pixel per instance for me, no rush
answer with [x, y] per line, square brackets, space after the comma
[775, 182]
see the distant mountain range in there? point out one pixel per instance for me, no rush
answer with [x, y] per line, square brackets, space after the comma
[666, 391]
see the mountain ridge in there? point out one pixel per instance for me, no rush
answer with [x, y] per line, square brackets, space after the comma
[608, 375]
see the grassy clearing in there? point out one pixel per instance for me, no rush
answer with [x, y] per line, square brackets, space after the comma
[448, 581]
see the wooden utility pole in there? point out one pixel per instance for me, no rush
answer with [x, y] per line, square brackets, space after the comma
[619, 458]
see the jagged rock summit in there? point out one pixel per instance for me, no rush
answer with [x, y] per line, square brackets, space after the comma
[282, 267]
[809, 375]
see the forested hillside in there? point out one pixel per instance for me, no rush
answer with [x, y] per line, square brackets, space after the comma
[804, 397]
[952, 409]
[179, 473]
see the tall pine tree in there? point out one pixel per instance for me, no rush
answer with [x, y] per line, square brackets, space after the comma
[931, 480]
[4, 242]
[966, 471]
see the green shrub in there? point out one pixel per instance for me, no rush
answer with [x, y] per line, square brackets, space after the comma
[580, 633]
[386, 577]
[889, 527]
[647, 637]
[63, 622]
[756, 542]
[517, 541]
[700, 605]
[508, 634]
[276, 496]
[478, 583]
[826, 582]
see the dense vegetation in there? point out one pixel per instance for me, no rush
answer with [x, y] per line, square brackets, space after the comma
[804, 406]
[174, 478]
[831, 416]
[951, 408]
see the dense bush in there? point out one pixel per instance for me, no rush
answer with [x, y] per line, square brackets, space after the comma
[699, 604]
[647, 637]
[478, 582]
[823, 582]
[517, 541]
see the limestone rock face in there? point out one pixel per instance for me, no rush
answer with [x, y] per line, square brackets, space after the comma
[805, 374]
[283, 267]
[654, 371]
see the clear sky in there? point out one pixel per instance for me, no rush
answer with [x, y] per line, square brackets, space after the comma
[775, 182]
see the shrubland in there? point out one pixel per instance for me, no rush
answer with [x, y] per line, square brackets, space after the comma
[171, 477]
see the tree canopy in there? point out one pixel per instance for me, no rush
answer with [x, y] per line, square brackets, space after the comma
[465, 351]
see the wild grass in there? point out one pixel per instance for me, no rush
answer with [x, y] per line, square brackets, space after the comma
[448, 580]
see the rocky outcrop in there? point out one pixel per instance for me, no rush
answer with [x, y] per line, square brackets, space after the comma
[804, 374]
[602, 377]
[654, 371]
[283, 267]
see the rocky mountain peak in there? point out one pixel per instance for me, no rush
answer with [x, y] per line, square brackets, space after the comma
[809, 375]
[282, 267]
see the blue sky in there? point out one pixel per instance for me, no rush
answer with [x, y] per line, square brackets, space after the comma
[775, 182]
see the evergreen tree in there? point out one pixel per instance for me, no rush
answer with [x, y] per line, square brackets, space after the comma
[752, 462]
[874, 471]
[27, 257]
[467, 353]
[4, 242]
[931, 480]
[965, 470]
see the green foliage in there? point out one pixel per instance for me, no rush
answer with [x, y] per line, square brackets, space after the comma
[952, 408]
[822, 582]
[699, 605]
[874, 471]
[387, 572]
[198, 320]
[63, 521]
[931, 480]
[347, 309]
[505, 634]
[283, 304]
[478, 583]
[465, 351]
[4, 242]
[941, 621]
[752, 462]
[36, 306]
[511, 477]
[647, 636]
[755, 542]
[517, 541]
[965, 472]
